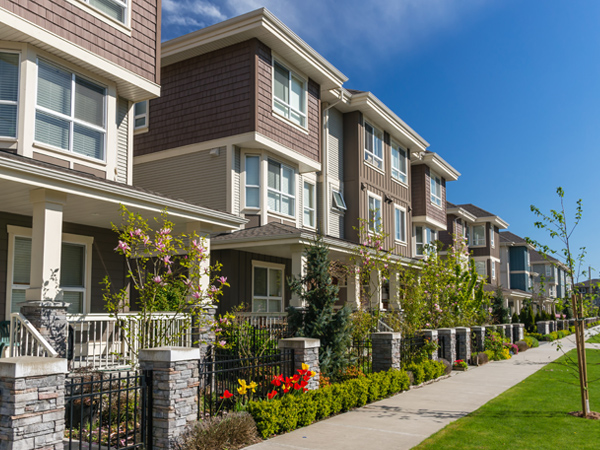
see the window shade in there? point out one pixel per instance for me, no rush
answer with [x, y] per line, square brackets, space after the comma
[274, 180]
[110, 8]
[22, 260]
[54, 88]
[89, 102]
[8, 120]
[9, 77]
[88, 142]
[72, 266]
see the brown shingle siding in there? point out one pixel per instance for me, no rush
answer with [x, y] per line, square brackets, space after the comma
[136, 53]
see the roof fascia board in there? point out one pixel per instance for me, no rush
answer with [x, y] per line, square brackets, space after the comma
[493, 219]
[462, 213]
[439, 165]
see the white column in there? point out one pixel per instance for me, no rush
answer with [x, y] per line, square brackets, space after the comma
[353, 291]
[298, 270]
[375, 289]
[205, 265]
[394, 299]
[46, 245]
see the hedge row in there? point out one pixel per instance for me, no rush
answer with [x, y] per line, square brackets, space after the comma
[289, 412]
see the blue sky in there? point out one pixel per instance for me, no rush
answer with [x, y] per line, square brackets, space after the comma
[506, 91]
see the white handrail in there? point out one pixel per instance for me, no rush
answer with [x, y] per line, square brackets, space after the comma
[26, 340]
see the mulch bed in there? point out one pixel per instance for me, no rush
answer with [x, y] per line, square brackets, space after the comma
[593, 415]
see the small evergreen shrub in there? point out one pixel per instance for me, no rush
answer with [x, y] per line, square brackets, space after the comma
[426, 370]
[531, 341]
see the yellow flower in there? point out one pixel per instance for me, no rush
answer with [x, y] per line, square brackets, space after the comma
[241, 390]
[253, 386]
[312, 374]
[305, 366]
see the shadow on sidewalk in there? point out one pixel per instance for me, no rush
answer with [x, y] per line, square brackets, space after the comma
[395, 412]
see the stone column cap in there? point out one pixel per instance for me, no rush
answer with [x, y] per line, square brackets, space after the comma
[462, 328]
[169, 354]
[32, 366]
[299, 342]
[386, 335]
[446, 330]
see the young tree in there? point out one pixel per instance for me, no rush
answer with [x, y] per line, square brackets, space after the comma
[500, 314]
[320, 320]
[557, 226]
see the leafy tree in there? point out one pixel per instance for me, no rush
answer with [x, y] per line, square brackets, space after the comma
[515, 318]
[319, 319]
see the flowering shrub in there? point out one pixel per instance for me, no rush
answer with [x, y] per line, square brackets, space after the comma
[495, 348]
[512, 348]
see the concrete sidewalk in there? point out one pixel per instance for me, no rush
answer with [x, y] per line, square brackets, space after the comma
[403, 421]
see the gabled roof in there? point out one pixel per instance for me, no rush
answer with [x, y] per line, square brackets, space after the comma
[435, 162]
[538, 257]
[484, 216]
[451, 208]
[263, 25]
[594, 282]
[510, 239]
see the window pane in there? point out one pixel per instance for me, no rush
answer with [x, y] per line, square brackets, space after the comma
[22, 260]
[140, 108]
[75, 301]
[307, 199]
[297, 97]
[274, 181]
[395, 158]
[480, 267]
[378, 144]
[281, 108]
[140, 122]
[287, 184]
[281, 88]
[72, 265]
[275, 283]
[110, 8]
[17, 300]
[89, 102]
[260, 281]
[297, 118]
[252, 197]
[54, 88]
[9, 76]
[368, 137]
[252, 170]
[259, 305]
[51, 130]
[402, 160]
[274, 203]
[8, 120]
[88, 142]
[274, 305]
[287, 205]
[338, 200]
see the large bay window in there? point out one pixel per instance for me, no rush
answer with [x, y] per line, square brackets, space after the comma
[424, 240]
[70, 112]
[281, 192]
[478, 235]
[289, 94]
[374, 213]
[252, 170]
[9, 93]
[399, 163]
[436, 188]
[267, 287]
[373, 146]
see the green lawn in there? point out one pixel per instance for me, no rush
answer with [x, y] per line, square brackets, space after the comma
[531, 415]
[595, 339]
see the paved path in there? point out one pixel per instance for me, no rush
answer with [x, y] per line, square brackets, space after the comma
[403, 421]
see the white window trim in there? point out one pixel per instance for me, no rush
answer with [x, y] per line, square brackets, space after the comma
[87, 241]
[304, 128]
[405, 174]
[432, 197]
[314, 202]
[380, 212]
[245, 184]
[124, 27]
[472, 236]
[334, 206]
[373, 155]
[492, 240]
[71, 119]
[493, 266]
[281, 193]
[142, 128]
[400, 241]
[269, 265]
[6, 102]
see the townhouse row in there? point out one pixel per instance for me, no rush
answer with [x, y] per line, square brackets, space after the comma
[242, 130]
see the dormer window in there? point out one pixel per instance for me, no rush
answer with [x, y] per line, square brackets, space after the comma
[289, 94]
[436, 189]
[373, 146]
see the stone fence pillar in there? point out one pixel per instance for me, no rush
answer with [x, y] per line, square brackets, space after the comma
[50, 319]
[431, 336]
[386, 351]
[32, 403]
[175, 381]
[508, 332]
[518, 331]
[306, 350]
[479, 333]
[543, 327]
[463, 343]
[447, 340]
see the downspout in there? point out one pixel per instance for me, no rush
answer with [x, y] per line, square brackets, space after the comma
[324, 166]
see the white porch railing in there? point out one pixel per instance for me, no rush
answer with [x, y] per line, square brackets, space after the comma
[99, 341]
[265, 320]
[26, 340]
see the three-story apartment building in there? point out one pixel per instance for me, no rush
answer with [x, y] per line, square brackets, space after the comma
[70, 73]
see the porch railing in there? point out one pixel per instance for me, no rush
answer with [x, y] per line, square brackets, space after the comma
[265, 320]
[26, 340]
[99, 341]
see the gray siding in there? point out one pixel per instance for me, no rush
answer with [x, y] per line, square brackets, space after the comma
[197, 178]
[336, 145]
[236, 179]
[122, 140]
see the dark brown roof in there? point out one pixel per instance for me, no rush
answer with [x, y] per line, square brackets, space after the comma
[539, 257]
[450, 205]
[271, 229]
[476, 210]
[507, 236]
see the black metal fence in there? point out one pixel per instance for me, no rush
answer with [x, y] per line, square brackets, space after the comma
[108, 411]
[361, 352]
[411, 349]
[221, 375]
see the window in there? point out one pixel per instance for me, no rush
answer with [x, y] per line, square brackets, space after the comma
[528, 261]
[289, 94]
[374, 214]
[267, 288]
[70, 112]
[424, 239]
[493, 265]
[9, 93]
[373, 146]
[548, 270]
[309, 204]
[252, 168]
[492, 236]
[400, 224]
[72, 274]
[338, 200]
[478, 235]
[281, 189]
[436, 188]
[140, 115]
[117, 9]
[480, 267]
[399, 163]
